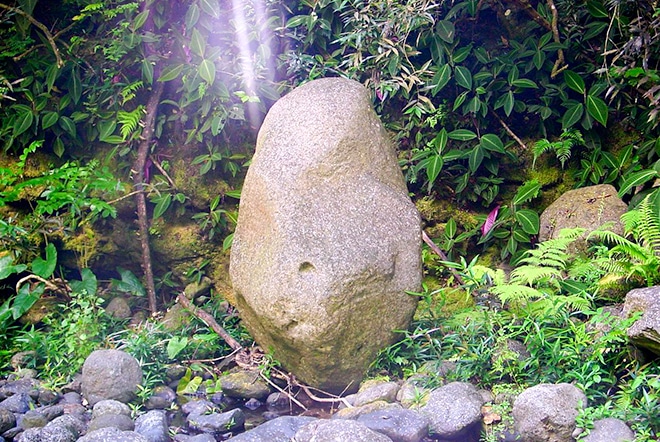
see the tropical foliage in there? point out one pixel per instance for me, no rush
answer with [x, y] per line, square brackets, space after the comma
[116, 107]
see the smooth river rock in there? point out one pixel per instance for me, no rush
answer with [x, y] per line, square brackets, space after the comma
[327, 242]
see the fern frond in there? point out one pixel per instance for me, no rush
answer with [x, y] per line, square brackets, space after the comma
[563, 152]
[631, 252]
[609, 237]
[129, 121]
[649, 226]
[516, 293]
[554, 305]
[528, 274]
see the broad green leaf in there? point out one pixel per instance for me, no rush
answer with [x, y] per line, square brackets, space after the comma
[524, 83]
[106, 128]
[574, 81]
[192, 15]
[433, 168]
[23, 121]
[572, 286]
[440, 140]
[463, 77]
[441, 78]
[176, 345]
[51, 75]
[460, 100]
[49, 119]
[572, 115]
[637, 179]
[462, 135]
[492, 142]
[476, 157]
[207, 71]
[68, 125]
[520, 236]
[297, 20]
[526, 192]
[45, 267]
[529, 221]
[509, 101]
[88, 284]
[58, 147]
[129, 283]
[25, 299]
[233, 194]
[197, 43]
[226, 244]
[7, 266]
[170, 73]
[474, 105]
[75, 86]
[538, 59]
[513, 75]
[147, 71]
[451, 228]
[140, 19]
[445, 30]
[461, 54]
[163, 203]
[210, 7]
[597, 9]
[598, 109]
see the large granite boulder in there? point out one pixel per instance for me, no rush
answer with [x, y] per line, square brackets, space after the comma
[547, 412]
[587, 207]
[110, 374]
[645, 332]
[327, 241]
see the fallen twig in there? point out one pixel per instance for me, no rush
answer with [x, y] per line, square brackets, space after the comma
[442, 255]
[283, 391]
[508, 130]
[209, 320]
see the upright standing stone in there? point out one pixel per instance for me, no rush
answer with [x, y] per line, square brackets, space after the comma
[328, 241]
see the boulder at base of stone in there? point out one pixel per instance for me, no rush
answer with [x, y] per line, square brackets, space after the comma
[338, 430]
[645, 332]
[587, 207]
[281, 429]
[110, 374]
[327, 242]
[454, 412]
[610, 430]
[547, 412]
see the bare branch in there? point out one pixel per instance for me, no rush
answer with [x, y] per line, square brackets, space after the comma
[41, 27]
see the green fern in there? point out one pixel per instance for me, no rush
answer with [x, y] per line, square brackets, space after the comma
[637, 258]
[130, 121]
[562, 147]
[535, 287]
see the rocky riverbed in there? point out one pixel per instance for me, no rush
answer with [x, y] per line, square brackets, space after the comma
[100, 406]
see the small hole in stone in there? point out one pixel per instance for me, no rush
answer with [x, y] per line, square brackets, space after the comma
[306, 267]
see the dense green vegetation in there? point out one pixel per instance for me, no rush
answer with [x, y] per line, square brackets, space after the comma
[108, 108]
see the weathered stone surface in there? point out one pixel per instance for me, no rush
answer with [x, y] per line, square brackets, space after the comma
[587, 207]
[281, 429]
[244, 384]
[398, 425]
[110, 374]
[645, 332]
[153, 426]
[118, 308]
[376, 391]
[111, 434]
[610, 430]
[338, 430]
[547, 412]
[454, 410]
[327, 241]
[217, 422]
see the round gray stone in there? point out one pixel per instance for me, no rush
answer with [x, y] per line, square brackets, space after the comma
[110, 374]
[453, 410]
